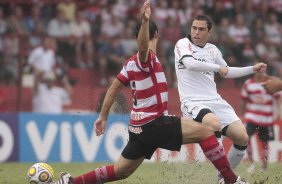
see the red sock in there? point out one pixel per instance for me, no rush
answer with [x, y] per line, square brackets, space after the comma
[215, 153]
[101, 174]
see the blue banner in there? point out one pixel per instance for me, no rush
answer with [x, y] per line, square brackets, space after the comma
[70, 138]
[9, 132]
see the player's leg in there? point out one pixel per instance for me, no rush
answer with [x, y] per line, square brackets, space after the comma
[264, 137]
[120, 170]
[236, 131]
[233, 128]
[193, 132]
[203, 114]
[251, 129]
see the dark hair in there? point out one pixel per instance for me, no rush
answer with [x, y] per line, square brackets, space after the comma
[152, 29]
[205, 18]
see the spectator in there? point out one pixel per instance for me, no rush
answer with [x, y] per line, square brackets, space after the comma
[112, 28]
[69, 9]
[34, 19]
[16, 21]
[3, 23]
[111, 59]
[238, 31]
[81, 31]
[11, 53]
[42, 59]
[273, 30]
[257, 28]
[128, 42]
[59, 28]
[48, 97]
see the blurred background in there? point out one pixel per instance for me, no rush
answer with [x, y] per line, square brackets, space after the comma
[77, 47]
[90, 40]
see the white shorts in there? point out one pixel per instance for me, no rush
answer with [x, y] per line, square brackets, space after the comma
[223, 111]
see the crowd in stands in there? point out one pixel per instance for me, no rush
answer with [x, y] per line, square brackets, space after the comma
[99, 34]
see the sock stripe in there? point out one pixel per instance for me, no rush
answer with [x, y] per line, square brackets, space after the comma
[101, 174]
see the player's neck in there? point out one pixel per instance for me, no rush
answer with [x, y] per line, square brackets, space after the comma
[153, 46]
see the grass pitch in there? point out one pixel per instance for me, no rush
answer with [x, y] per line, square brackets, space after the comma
[150, 173]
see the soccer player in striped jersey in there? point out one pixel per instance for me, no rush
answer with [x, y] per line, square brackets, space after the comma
[259, 110]
[196, 62]
[150, 126]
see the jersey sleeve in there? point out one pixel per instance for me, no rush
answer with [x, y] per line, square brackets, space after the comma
[219, 58]
[182, 49]
[123, 75]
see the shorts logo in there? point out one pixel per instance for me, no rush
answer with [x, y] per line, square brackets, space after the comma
[135, 130]
[195, 110]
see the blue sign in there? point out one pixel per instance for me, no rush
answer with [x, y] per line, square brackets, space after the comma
[9, 143]
[70, 138]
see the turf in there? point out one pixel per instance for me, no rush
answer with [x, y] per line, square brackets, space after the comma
[151, 173]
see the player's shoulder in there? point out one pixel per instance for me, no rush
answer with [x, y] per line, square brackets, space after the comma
[183, 41]
[211, 46]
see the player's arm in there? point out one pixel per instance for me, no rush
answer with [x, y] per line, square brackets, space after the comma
[100, 123]
[235, 72]
[193, 64]
[143, 35]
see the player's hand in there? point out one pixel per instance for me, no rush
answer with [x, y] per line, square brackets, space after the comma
[100, 126]
[146, 10]
[223, 70]
[260, 67]
[273, 85]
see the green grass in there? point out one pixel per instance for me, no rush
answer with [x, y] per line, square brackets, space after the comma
[151, 173]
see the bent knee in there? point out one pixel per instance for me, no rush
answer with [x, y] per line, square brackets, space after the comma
[243, 140]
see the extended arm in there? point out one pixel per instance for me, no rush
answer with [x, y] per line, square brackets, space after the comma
[235, 72]
[143, 35]
[100, 123]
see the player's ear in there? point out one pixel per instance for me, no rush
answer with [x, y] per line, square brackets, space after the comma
[156, 35]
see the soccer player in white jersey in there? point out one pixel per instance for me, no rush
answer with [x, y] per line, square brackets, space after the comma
[150, 126]
[196, 61]
[260, 111]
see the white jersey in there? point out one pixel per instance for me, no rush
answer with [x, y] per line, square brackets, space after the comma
[192, 84]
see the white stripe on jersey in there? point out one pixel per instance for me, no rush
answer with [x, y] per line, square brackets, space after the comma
[146, 102]
[160, 77]
[259, 118]
[144, 84]
[259, 107]
[164, 96]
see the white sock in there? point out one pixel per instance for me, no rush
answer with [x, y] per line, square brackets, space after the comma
[234, 156]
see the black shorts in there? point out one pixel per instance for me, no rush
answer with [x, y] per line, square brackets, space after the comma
[265, 132]
[164, 132]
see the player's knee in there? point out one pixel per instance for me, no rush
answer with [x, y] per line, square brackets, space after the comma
[244, 139]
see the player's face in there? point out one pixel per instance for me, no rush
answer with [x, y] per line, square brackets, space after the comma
[199, 32]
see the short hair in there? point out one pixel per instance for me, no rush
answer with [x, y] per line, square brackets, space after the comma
[204, 18]
[152, 29]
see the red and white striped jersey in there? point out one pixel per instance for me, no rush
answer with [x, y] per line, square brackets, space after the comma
[149, 88]
[259, 104]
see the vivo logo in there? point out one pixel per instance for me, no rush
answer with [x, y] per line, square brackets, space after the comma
[75, 141]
